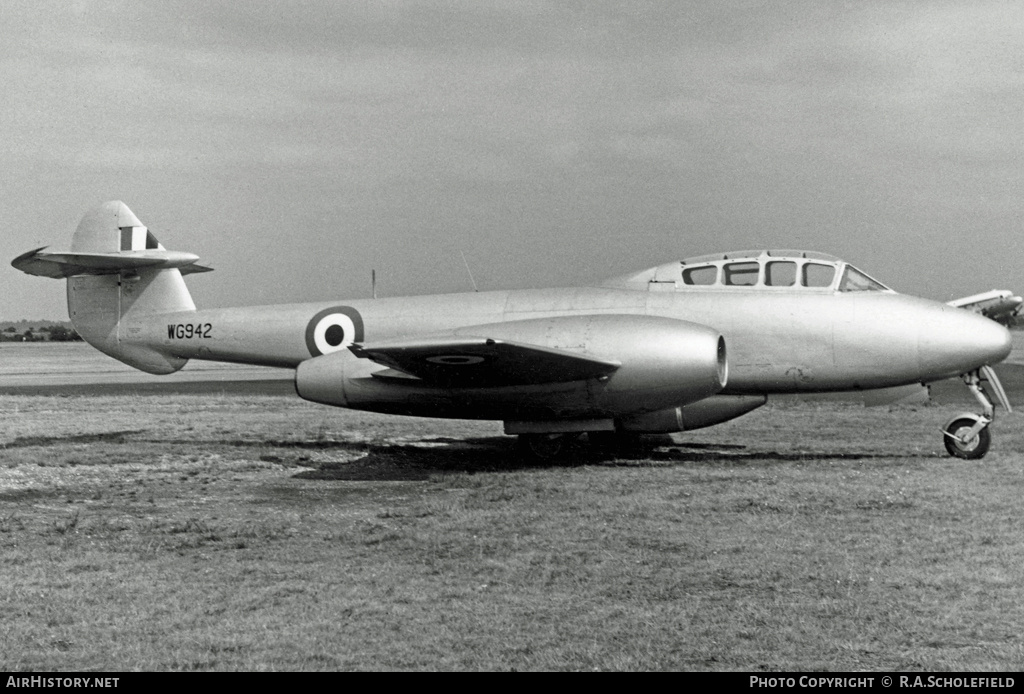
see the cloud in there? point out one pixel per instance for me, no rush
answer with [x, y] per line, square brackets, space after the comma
[572, 137]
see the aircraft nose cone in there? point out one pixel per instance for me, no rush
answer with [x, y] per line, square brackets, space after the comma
[956, 341]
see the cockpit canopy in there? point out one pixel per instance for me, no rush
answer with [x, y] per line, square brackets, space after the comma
[768, 270]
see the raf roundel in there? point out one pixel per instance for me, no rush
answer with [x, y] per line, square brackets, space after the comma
[333, 329]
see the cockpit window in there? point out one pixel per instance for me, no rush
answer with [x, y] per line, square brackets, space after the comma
[742, 274]
[856, 281]
[704, 274]
[777, 269]
[818, 275]
[780, 273]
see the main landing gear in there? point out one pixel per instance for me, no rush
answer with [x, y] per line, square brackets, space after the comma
[551, 447]
[542, 447]
[966, 435]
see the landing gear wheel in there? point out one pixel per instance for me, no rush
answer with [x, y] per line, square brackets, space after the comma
[972, 449]
[541, 447]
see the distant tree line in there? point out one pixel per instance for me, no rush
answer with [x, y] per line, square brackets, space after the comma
[48, 333]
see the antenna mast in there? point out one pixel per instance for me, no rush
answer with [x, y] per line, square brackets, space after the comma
[470, 272]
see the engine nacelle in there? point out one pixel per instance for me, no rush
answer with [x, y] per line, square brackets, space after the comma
[664, 363]
[696, 415]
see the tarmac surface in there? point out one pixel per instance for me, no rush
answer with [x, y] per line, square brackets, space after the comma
[75, 368]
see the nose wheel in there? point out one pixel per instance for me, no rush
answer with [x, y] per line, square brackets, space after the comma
[966, 435]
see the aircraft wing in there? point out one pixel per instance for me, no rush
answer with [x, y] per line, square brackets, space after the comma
[480, 362]
[999, 304]
[60, 265]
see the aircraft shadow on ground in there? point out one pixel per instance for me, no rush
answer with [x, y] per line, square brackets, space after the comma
[102, 437]
[431, 456]
[421, 458]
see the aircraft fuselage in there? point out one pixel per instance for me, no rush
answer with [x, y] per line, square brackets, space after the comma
[777, 343]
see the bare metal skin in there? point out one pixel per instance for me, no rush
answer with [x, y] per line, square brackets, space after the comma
[676, 347]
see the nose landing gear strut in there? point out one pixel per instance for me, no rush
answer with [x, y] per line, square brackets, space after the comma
[967, 435]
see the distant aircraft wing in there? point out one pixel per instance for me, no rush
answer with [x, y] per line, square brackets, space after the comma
[480, 362]
[60, 265]
[999, 304]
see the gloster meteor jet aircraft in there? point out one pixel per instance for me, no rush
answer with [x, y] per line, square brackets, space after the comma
[684, 345]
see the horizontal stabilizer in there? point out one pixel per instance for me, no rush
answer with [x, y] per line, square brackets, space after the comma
[480, 362]
[61, 265]
[999, 304]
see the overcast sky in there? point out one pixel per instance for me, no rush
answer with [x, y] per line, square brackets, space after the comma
[297, 145]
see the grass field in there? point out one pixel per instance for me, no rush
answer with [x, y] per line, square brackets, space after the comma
[186, 532]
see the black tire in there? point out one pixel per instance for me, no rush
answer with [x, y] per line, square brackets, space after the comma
[541, 447]
[974, 449]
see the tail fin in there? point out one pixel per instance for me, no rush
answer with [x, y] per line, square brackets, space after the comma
[111, 228]
[117, 271]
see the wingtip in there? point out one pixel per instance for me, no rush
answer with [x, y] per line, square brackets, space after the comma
[193, 268]
[29, 254]
[18, 263]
